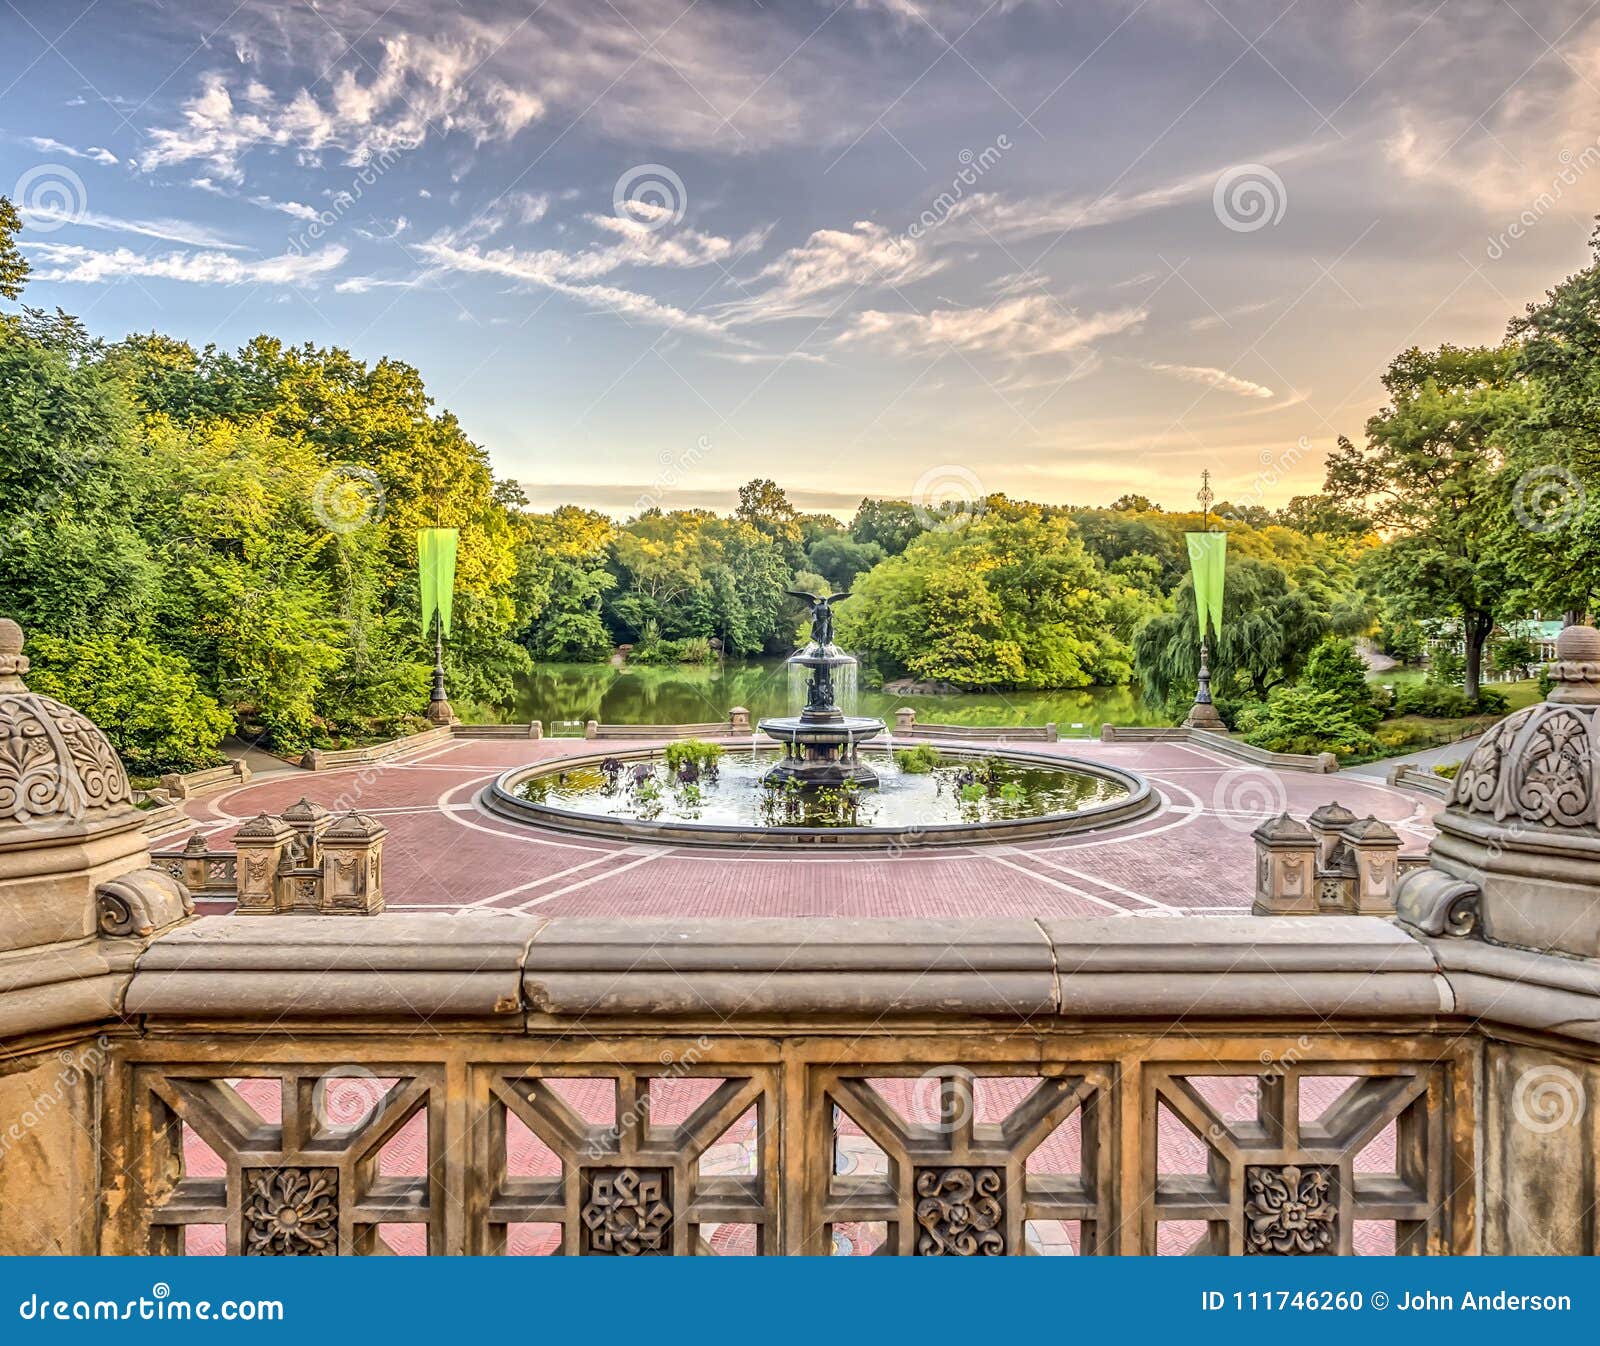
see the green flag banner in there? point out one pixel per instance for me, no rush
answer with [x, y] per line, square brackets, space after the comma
[1208, 558]
[436, 565]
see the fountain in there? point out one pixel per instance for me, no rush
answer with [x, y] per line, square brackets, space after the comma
[820, 743]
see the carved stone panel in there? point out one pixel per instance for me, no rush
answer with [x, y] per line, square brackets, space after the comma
[627, 1212]
[290, 1212]
[960, 1212]
[1290, 1209]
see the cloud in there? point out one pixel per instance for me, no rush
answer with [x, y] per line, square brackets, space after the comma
[71, 264]
[803, 281]
[1219, 379]
[1020, 328]
[95, 154]
[413, 70]
[166, 231]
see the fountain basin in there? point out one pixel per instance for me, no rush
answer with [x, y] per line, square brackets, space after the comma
[1064, 796]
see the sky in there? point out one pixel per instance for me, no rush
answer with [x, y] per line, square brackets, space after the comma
[646, 250]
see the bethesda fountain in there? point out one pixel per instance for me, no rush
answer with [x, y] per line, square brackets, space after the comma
[820, 743]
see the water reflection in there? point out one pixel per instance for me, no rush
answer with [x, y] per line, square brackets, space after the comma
[694, 694]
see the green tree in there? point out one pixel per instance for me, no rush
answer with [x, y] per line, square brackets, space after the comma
[149, 703]
[1269, 629]
[1010, 600]
[1430, 474]
[13, 265]
[891, 524]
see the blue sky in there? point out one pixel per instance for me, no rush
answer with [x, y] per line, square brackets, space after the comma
[647, 249]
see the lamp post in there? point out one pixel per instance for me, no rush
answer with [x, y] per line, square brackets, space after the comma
[1203, 714]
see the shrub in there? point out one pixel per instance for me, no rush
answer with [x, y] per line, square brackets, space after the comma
[1305, 720]
[1335, 667]
[148, 702]
[1433, 700]
[1492, 701]
[1447, 769]
[917, 761]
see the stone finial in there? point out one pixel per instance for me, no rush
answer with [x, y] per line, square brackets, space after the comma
[352, 866]
[1576, 669]
[1327, 824]
[1286, 854]
[13, 662]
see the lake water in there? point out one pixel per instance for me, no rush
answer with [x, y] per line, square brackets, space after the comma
[694, 694]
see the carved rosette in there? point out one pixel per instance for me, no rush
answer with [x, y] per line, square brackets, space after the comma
[1537, 766]
[627, 1212]
[1290, 1209]
[959, 1212]
[291, 1212]
[54, 764]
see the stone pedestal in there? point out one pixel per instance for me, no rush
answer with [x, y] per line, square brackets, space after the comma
[1372, 849]
[1286, 861]
[265, 848]
[739, 720]
[309, 821]
[905, 720]
[1203, 715]
[352, 875]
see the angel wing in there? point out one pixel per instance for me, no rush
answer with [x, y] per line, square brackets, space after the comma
[834, 598]
[813, 599]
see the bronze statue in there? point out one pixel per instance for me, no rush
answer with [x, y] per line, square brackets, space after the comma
[821, 614]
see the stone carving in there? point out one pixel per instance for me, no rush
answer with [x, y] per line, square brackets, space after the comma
[627, 1212]
[1555, 777]
[291, 1212]
[1289, 1209]
[1477, 783]
[142, 902]
[959, 1212]
[54, 763]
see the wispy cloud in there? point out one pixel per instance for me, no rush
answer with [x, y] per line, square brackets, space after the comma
[95, 153]
[1021, 328]
[166, 231]
[72, 264]
[1219, 379]
[805, 281]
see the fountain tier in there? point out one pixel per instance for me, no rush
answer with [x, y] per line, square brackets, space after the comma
[820, 743]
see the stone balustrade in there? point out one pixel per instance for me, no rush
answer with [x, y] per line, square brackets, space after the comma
[483, 1083]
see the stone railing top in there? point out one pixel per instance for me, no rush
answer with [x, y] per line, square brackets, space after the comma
[295, 968]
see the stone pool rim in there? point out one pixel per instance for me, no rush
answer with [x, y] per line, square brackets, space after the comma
[500, 798]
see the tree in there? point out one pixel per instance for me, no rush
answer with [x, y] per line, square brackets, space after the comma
[562, 581]
[840, 558]
[13, 265]
[764, 506]
[150, 704]
[1135, 504]
[889, 523]
[1429, 473]
[1269, 629]
[1011, 600]
[1334, 666]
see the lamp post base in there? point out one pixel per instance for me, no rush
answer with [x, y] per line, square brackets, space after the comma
[439, 712]
[1203, 715]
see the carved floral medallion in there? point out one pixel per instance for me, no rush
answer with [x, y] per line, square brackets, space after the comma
[1289, 1209]
[959, 1212]
[291, 1212]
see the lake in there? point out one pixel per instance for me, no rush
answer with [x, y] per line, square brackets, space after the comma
[698, 693]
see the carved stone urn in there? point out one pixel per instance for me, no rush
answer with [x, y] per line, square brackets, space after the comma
[1523, 821]
[67, 820]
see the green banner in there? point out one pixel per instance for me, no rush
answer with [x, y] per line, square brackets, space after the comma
[436, 566]
[1208, 558]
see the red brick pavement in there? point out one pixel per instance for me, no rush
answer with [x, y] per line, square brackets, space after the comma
[445, 852]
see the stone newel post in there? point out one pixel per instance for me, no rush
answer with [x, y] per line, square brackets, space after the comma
[266, 849]
[1286, 862]
[352, 876]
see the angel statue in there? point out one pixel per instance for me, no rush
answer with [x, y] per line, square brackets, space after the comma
[821, 614]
